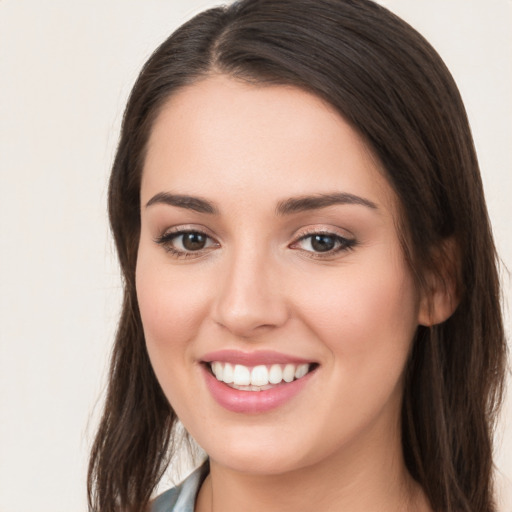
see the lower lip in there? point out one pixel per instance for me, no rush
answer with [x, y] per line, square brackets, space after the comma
[239, 401]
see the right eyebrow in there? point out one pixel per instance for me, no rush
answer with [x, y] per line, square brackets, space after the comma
[183, 201]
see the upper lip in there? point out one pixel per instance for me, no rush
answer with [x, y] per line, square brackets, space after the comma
[252, 358]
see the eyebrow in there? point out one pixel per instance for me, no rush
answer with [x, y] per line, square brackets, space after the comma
[285, 207]
[316, 202]
[183, 201]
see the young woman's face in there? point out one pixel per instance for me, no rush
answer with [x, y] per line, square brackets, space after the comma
[269, 258]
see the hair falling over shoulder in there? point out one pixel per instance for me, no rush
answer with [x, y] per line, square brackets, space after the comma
[390, 84]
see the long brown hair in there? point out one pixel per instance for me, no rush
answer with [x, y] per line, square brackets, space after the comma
[389, 83]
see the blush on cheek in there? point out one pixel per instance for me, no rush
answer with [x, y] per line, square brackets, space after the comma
[165, 317]
[171, 309]
[365, 314]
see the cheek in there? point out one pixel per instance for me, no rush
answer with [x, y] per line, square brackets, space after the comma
[367, 324]
[367, 315]
[171, 305]
[172, 309]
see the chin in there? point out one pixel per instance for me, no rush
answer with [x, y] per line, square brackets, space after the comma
[257, 462]
[261, 454]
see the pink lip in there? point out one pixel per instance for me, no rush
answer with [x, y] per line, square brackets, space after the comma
[252, 358]
[253, 401]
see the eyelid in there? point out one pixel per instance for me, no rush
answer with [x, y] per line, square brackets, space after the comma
[322, 229]
[185, 228]
[346, 243]
[168, 235]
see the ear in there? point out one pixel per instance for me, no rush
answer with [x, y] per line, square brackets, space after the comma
[440, 295]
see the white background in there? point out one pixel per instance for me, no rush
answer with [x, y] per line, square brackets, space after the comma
[66, 68]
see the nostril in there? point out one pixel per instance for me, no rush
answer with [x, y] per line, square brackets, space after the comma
[248, 302]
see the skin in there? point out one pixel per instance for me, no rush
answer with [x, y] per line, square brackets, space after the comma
[259, 285]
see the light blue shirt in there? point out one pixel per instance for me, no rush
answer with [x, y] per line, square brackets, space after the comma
[182, 498]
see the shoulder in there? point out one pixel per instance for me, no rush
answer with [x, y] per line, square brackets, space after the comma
[182, 497]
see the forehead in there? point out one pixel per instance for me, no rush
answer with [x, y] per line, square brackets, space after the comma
[223, 137]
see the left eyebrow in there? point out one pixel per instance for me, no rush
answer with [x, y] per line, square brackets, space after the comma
[316, 202]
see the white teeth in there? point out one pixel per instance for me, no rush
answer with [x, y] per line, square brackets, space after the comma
[259, 377]
[275, 376]
[242, 375]
[227, 374]
[251, 388]
[217, 370]
[289, 372]
[301, 370]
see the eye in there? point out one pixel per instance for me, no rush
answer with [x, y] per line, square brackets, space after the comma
[324, 243]
[185, 243]
[191, 241]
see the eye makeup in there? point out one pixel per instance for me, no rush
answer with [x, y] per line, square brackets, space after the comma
[189, 242]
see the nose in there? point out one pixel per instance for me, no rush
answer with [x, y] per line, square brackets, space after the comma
[250, 300]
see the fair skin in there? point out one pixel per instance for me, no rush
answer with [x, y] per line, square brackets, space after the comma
[322, 284]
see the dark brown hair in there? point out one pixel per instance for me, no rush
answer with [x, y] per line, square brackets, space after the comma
[390, 84]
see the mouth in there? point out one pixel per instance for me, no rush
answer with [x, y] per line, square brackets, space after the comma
[258, 378]
[254, 383]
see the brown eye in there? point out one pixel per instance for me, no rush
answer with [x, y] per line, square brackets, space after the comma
[323, 243]
[194, 241]
[186, 243]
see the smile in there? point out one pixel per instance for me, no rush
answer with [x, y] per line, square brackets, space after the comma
[257, 382]
[257, 378]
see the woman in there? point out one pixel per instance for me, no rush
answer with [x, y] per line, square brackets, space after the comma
[310, 277]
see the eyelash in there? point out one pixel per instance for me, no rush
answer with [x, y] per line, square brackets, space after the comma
[166, 240]
[343, 244]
